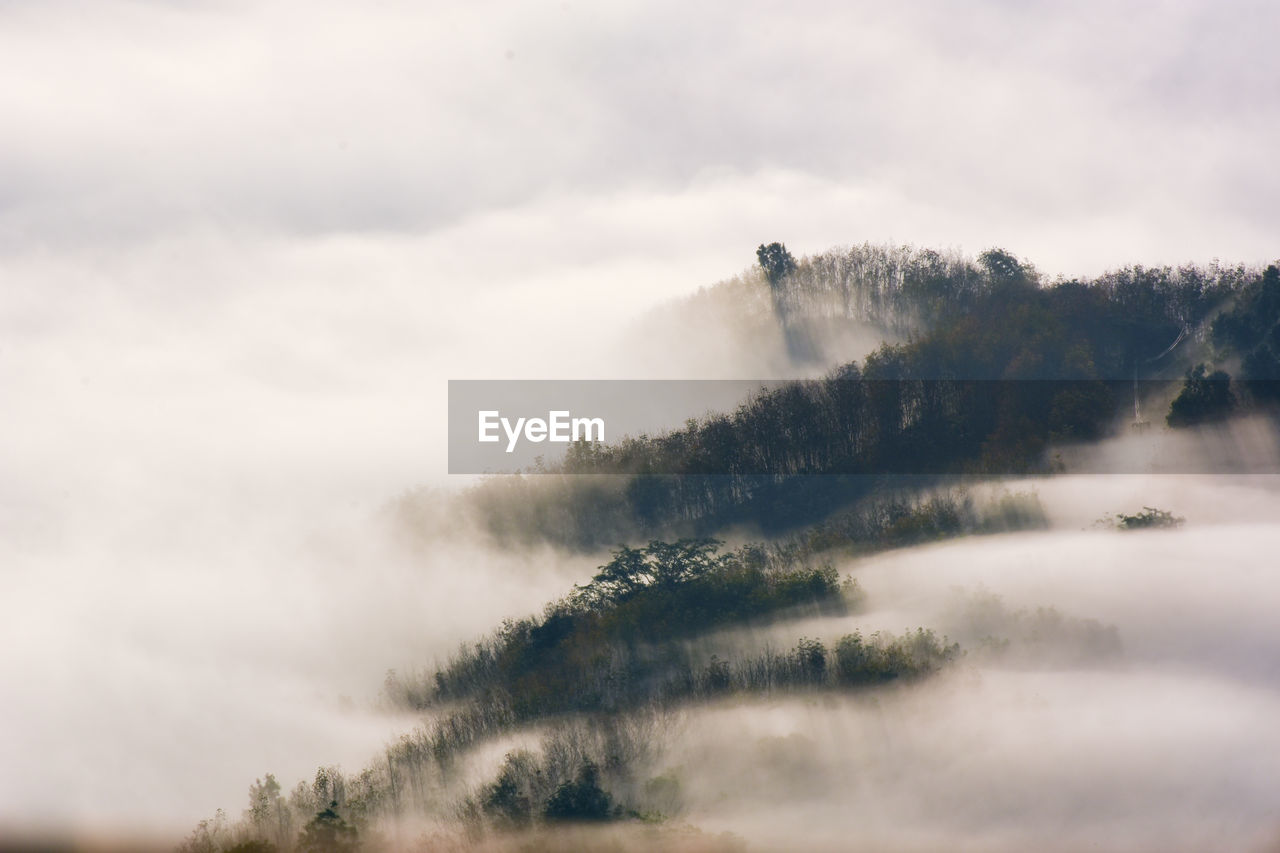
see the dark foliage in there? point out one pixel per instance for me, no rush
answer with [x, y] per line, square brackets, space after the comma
[1149, 517]
[528, 789]
[508, 801]
[609, 644]
[327, 832]
[1251, 329]
[581, 799]
[896, 520]
[613, 654]
[998, 365]
[776, 262]
[756, 466]
[883, 658]
[1203, 399]
[1005, 366]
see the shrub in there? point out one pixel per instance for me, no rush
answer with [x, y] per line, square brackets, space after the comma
[581, 799]
[1149, 517]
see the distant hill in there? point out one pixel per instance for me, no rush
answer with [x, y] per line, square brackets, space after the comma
[997, 365]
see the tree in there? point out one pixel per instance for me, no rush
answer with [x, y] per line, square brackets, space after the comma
[507, 799]
[1262, 365]
[811, 659]
[327, 832]
[1149, 517]
[776, 262]
[1252, 329]
[582, 799]
[267, 811]
[1202, 398]
[1004, 269]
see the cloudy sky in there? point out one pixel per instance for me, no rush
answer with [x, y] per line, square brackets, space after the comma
[222, 221]
[243, 245]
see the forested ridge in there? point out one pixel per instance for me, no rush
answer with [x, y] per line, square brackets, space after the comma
[1000, 366]
[596, 671]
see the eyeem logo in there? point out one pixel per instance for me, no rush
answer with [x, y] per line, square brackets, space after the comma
[558, 427]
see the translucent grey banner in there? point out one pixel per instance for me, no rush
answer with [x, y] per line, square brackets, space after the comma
[855, 426]
[501, 426]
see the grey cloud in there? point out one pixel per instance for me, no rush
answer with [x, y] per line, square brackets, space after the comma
[319, 119]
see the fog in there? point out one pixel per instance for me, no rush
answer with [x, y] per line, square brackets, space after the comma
[994, 760]
[1166, 743]
[154, 676]
[1118, 691]
[1191, 599]
[244, 246]
[204, 586]
[177, 645]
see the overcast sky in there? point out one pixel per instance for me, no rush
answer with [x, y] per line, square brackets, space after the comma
[223, 219]
[1086, 133]
[243, 245]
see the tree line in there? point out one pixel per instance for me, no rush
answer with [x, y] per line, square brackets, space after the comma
[598, 666]
[1006, 364]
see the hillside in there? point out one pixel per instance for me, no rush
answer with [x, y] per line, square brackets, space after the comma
[999, 366]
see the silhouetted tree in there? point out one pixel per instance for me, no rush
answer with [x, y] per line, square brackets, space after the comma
[582, 799]
[1202, 399]
[1068, 351]
[776, 262]
[327, 832]
[1149, 517]
[507, 799]
[811, 658]
[1003, 267]
[1252, 329]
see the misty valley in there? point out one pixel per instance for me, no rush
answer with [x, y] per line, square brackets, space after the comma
[994, 571]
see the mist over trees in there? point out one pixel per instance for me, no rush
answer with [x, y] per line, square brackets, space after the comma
[1000, 366]
[913, 289]
[600, 667]
[609, 645]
